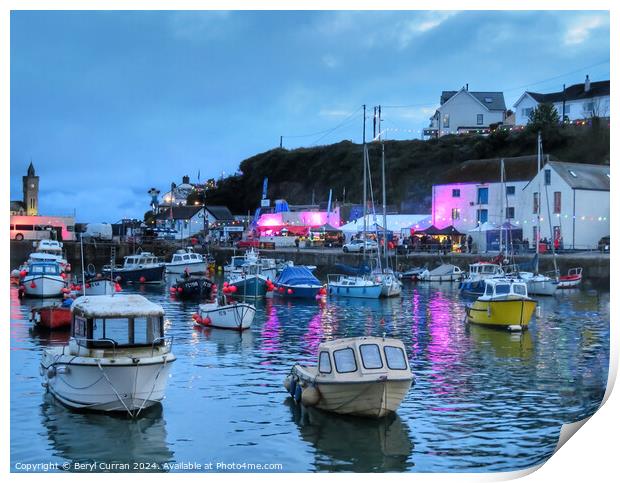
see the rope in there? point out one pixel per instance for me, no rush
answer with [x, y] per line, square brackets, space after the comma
[113, 388]
[152, 388]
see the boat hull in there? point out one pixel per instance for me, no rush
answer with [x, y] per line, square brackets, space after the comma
[391, 289]
[139, 275]
[235, 316]
[122, 385]
[196, 288]
[42, 286]
[373, 399]
[52, 318]
[298, 291]
[252, 286]
[569, 281]
[501, 313]
[179, 268]
[363, 292]
[100, 287]
[542, 287]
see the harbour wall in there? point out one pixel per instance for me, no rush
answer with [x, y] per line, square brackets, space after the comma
[595, 265]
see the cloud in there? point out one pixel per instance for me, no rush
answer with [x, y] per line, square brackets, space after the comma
[580, 29]
[421, 24]
[199, 25]
[330, 61]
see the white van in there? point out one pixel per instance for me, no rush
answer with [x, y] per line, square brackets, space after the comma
[98, 231]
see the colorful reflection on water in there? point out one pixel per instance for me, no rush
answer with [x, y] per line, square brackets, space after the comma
[484, 400]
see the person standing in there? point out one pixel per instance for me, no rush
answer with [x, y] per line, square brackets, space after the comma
[297, 243]
[470, 241]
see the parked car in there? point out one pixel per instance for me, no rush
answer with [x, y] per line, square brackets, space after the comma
[357, 246]
[603, 244]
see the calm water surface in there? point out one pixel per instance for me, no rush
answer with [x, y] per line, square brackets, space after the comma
[484, 400]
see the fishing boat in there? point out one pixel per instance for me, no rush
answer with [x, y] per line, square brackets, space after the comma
[221, 314]
[443, 273]
[186, 260]
[538, 283]
[249, 283]
[44, 279]
[52, 317]
[361, 376]
[297, 282]
[117, 359]
[55, 249]
[473, 284]
[572, 279]
[139, 268]
[366, 287]
[100, 286]
[192, 287]
[504, 304]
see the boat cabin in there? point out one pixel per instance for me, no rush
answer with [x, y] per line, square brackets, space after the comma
[116, 321]
[140, 260]
[504, 288]
[485, 269]
[49, 246]
[360, 356]
[186, 257]
[44, 268]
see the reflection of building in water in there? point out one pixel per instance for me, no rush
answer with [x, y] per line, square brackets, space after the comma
[88, 437]
[312, 338]
[354, 444]
[270, 333]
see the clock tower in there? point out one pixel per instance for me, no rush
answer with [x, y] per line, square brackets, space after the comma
[31, 192]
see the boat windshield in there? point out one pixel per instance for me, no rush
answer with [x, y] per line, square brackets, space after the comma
[395, 357]
[371, 356]
[502, 289]
[519, 289]
[44, 270]
[125, 332]
[325, 364]
[345, 360]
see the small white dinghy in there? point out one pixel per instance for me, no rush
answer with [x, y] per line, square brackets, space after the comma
[117, 359]
[221, 314]
[363, 376]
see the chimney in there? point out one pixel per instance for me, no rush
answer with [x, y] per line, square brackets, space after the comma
[185, 179]
[586, 86]
[466, 87]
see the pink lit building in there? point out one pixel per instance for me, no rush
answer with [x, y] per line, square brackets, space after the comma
[296, 222]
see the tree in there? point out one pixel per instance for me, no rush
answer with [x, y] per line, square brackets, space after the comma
[545, 118]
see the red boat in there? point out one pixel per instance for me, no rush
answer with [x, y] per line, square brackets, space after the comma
[51, 317]
[573, 279]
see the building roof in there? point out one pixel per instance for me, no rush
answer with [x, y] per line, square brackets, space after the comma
[178, 213]
[493, 101]
[17, 205]
[583, 176]
[573, 93]
[221, 213]
[521, 168]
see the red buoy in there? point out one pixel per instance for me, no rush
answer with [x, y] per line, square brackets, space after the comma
[142, 279]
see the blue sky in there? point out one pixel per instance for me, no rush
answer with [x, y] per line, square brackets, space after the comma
[108, 104]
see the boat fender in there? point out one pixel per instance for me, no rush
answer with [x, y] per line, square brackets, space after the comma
[142, 279]
[206, 320]
[297, 395]
[33, 285]
[51, 372]
[287, 383]
[310, 396]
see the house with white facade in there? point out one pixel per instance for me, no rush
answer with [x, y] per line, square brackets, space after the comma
[577, 102]
[574, 205]
[466, 111]
[187, 221]
[472, 192]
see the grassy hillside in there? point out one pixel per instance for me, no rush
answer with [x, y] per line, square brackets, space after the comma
[412, 166]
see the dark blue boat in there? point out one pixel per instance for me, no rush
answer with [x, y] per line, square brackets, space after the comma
[139, 268]
[297, 282]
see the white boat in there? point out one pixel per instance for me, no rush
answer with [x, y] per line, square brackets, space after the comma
[362, 376]
[100, 286]
[443, 273]
[117, 359]
[390, 285]
[354, 286]
[572, 279]
[539, 284]
[43, 279]
[473, 283]
[53, 248]
[220, 314]
[186, 260]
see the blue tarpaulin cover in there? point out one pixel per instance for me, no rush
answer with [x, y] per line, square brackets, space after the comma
[297, 276]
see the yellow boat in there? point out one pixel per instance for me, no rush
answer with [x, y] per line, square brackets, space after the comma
[503, 304]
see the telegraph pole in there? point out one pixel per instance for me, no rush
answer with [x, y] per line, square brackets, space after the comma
[280, 142]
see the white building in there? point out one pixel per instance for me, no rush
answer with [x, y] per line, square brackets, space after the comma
[575, 197]
[579, 101]
[187, 221]
[472, 192]
[466, 111]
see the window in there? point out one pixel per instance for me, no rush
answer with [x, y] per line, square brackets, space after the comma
[371, 356]
[502, 289]
[482, 216]
[557, 202]
[456, 213]
[535, 204]
[456, 193]
[588, 107]
[139, 331]
[395, 357]
[510, 212]
[566, 108]
[572, 173]
[446, 120]
[483, 196]
[480, 119]
[325, 364]
[526, 111]
[488, 290]
[24, 227]
[345, 360]
[547, 177]
[510, 190]
[519, 289]
[535, 234]
[488, 100]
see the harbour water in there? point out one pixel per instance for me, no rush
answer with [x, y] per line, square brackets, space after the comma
[483, 400]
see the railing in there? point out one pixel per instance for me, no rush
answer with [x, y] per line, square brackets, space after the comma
[164, 339]
[112, 342]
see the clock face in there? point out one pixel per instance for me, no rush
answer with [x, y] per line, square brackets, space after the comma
[32, 185]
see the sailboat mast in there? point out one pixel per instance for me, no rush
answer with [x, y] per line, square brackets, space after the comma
[538, 160]
[385, 246]
[502, 214]
[365, 154]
